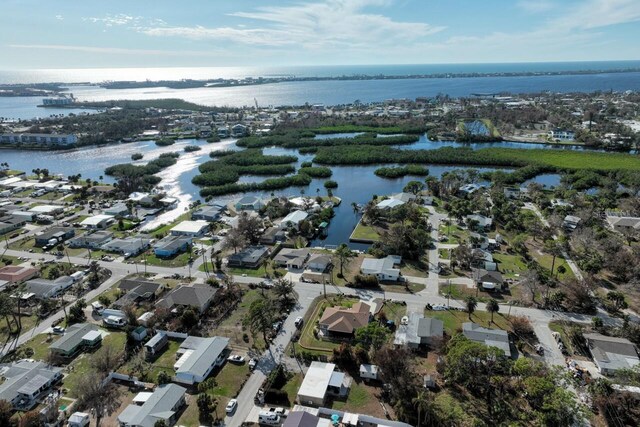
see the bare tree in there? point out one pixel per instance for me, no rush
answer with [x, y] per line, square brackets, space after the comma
[101, 396]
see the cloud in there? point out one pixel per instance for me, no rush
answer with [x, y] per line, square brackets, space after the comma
[60, 17]
[119, 19]
[113, 50]
[317, 25]
[536, 6]
[600, 13]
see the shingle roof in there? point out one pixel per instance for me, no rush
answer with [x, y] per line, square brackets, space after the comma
[611, 352]
[345, 320]
[194, 296]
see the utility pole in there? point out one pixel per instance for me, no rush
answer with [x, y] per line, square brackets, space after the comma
[448, 293]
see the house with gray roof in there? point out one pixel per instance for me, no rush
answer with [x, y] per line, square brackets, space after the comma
[45, 288]
[611, 354]
[195, 364]
[197, 296]
[171, 246]
[418, 330]
[488, 280]
[291, 258]
[249, 257]
[207, 213]
[26, 382]
[60, 234]
[77, 338]
[489, 337]
[91, 240]
[164, 404]
[249, 203]
[137, 291]
[384, 268]
[130, 245]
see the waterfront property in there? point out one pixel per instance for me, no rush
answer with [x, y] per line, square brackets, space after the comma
[383, 269]
[249, 203]
[207, 213]
[293, 219]
[291, 258]
[77, 338]
[38, 139]
[198, 356]
[161, 406]
[26, 382]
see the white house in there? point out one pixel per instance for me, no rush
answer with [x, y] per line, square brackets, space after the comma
[294, 219]
[190, 228]
[202, 356]
[320, 380]
[97, 221]
[384, 269]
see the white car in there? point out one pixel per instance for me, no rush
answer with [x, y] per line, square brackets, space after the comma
[236, 358]
[439, 307]
[231, 406]
[252, 364]
[299, 321]
[58, 330]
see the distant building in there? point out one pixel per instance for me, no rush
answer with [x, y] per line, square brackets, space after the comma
[562, 135]
[57, 100]
[624, 224]
[38, 139]
[239, 130]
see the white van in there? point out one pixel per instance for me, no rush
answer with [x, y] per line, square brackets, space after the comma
[97, 307]
[268, 418]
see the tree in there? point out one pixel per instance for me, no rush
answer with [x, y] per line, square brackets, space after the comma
[6, 410]
[250, 227]
[260, 317]
[7, 305]
[422, 403]
[283, 290]
[100, 396]
[234, 240]
[414, 187]
[76, 312]
[372, 336]
[343, 256]
[107, 359]
[492, 307]
[206, 405]
[189, 318]
[471, 304]
[163, 378]
[531, 281]
[160, 423]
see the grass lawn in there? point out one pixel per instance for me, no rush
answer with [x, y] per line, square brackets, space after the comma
[82, 364]
[165, 361]
[232, 328]
[394, 311]
[546, 261]
[292, 386]
[365, 232]
[164, 229]
[251, 272]
[509, 265]
[358, 398]
[28, 322]
[444, 253]
[40, 345]
[8, 260]
[179, 260]
[453, 320]
[454, 233]
[567, 159]
[25, 245]
[191, 415]
[230, 380]
[307, 340]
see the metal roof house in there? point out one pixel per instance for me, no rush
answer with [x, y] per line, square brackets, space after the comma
[249, 203]
[163, 404]
[76, 339]
[45, 288]
[129, 245]
[27, 381]
[321, 379]
[196, 296]
[384, 268]
[293, 219]
[489, 337]
[207, 213]
[92, 241]
[195, 365]
[58, 233]
[419, 330]
[171, 246]
[98, 221]
[611, 354]
[190, 228]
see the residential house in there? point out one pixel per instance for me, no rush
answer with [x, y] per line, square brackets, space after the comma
[129, 246]
[171, 246]
[488, 280]
[26, 381]
[45, 288]
[239, 130]
[223, 132]
[369, 372]
[489, 337]
[155, 345]
[207, 213]
[197, 296]
[469, 189]
[624, 224]
[203, 355]
[272, 235]
[571, 222]
[481, 222]
[302, 416]
[513, 192]
[321, 380]
[136, 291]
[419, 330]
[96, 222]
[249, 203]
[341, 322]
[50, 210]
[163, 405]
[389, 204]
[92, 241]
[10, 223]
[319, 263]
[249, 257]
[77, 338]
[17, 274]
[612, 354]
[118, 210]
[559, 135]
[291, 258]
[293, 219]
[57, 234]
[384, 269]
[190, 228]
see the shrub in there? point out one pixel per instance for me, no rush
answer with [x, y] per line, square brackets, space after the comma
[330, 184]
[365, 281]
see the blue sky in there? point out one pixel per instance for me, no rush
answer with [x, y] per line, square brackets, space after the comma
[158, 33]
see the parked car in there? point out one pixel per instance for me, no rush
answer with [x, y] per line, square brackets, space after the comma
[231, 406]
[439, 307]
[253, 363]
[58, 330]
[235, 358]
[277, 326]
[299, 321]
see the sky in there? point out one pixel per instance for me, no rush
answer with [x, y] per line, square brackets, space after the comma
[159, 33]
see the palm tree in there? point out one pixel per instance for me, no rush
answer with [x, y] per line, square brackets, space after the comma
[343, 256]
[421, 403]
[471, 303]
[493, 307]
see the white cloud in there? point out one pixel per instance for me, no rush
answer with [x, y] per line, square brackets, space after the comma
[536, 6]
[119, 19]
[60, 17]
[600, 13]
[328, 24]
[113, 50]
